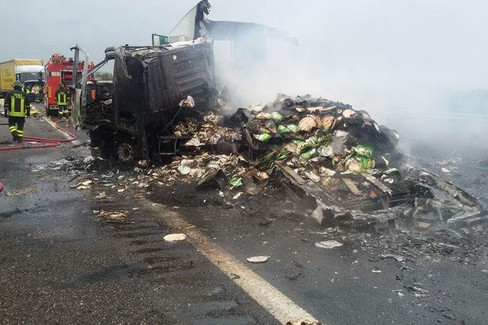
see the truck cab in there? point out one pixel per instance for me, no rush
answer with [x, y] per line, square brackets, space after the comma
[130, 119]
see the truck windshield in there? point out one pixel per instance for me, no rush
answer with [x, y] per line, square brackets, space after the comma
[24, 76]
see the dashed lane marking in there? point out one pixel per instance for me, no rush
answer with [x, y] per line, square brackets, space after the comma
[265, 294]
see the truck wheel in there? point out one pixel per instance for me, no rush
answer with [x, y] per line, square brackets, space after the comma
[125, 152]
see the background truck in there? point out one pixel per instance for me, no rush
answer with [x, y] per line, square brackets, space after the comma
[59, 69]
[22, 70]
[131, 118]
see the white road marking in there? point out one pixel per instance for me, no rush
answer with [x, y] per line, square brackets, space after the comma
[64, 135]
[270, 298]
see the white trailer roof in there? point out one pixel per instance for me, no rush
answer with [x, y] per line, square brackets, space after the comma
[29, 68]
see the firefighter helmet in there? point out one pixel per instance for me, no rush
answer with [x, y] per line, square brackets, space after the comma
[17, 84]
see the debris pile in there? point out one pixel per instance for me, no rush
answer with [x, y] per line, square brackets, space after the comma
[334, 162]
[208, 132]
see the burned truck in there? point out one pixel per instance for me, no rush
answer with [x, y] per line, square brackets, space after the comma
[152, 87]
[334, 162]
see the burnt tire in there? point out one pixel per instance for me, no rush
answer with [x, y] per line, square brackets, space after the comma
[126, 152]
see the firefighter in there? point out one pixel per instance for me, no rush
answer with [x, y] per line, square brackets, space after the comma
[62, 100]
[17, 108]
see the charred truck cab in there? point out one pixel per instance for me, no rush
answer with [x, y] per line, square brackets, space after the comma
[131, 119]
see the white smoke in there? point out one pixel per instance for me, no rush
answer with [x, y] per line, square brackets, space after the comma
[402, 61]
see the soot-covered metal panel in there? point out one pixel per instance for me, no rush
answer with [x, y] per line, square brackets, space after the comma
[178, 73]
[150, 82]
[128, 99]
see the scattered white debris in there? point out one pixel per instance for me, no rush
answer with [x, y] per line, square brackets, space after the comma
[101, 195]
[348, 113]
[184, 170]
[30, 189]
[88, 159]
[376, 271]
[60, 162]
[423, 225]
[83, 185]
[238, 195]
[398, 258]
[445, 170]
[171, 238]
[120, 190]
[326, 171]
[38, 168]
[257, 259]
[114, 216]
[418, 289]
[389, 180]
[340, 133]
[193, 142]
[328, 244]
[312, 176]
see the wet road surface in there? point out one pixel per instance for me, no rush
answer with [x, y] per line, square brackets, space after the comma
[59, 263]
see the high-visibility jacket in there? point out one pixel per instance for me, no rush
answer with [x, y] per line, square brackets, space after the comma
[17, 104]
[61, 97]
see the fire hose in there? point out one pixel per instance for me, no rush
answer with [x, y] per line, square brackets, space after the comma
[43, 142]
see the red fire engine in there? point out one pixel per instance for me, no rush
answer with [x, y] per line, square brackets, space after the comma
[59, 70]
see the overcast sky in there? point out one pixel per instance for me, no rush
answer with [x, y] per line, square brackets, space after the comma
[399, 39]
[376, 54]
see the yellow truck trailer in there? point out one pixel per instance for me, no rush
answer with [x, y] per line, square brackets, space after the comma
[19, 69]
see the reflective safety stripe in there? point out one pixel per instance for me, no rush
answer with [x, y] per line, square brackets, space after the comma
[20, 132]
[61, 98]
[13, 130]
[17, 105]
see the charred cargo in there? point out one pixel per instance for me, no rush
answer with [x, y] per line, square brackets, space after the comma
[131, 118]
